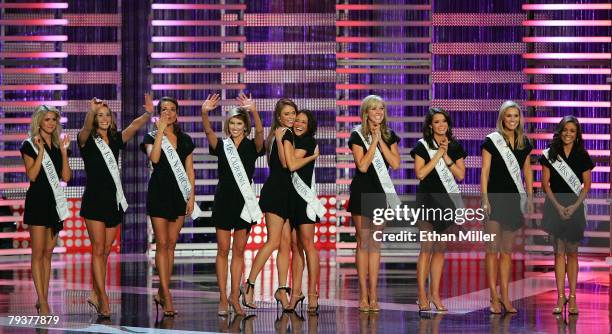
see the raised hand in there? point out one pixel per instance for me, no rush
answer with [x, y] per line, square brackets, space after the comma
[189, 208]
[246, 102]
[443, 146]
[161, 124]
[279, 132]
[95, 104]
[40, 143]
[210, 103]
[65, 142]
[148, 103]
[316, 151]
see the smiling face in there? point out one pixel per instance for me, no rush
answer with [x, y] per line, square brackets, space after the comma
[49, 123]
[376, 113]
[569, 133]
[168, 111]
[104, 118]
[511, 118]
[236, 127]
[300, 127]
[439, 125]
[287, 116]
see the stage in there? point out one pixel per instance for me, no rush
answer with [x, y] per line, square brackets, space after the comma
[196, 296]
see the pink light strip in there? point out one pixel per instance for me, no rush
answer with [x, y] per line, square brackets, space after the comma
[599, 153]
[34, 87]
[567, 39]
[577, 104]
[199, 103]
[183, 55]
[24, 120]
[32, 103]
[567, 23]
[49, 5]
[16, 202]
[166, 70]
[577, 6]
[567, 56]
[43, 70]
[383, 7]
[47, 38]
[382, 70]
[567, 71]
[35, 22]
[382, 86]
[593, 185]
[555, 120]
[9, 154]
[197, 6]
[585, 136]
[168, 23]
[565, 87]
[28, 251]
[351, 39]
[196, 86]
[349, 103]
[365, 55]
[177, 39]
[33, 55]
[383, 23]
[16, 185]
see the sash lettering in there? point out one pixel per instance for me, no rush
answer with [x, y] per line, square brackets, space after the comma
[511, 164]
[113, 168]
[308, 193]
[568, 175]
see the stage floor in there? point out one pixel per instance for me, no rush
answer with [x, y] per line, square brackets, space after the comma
[132, 284]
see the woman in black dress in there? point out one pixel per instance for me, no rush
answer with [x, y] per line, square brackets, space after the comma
[41, 212]
[100, 208]
[165, 203]
[501, 199]
[431, 193]
[564, 212]
[300, 154]
[275, 202]
[229, 200]
[374, 128]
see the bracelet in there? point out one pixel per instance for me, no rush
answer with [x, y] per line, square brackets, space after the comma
[449, 165]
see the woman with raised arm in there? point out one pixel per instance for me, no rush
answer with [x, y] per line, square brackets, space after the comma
[374, 147]
[235, 207]
[171, 192]
[301, 152]
[505, 153]
[438, 162]
[104, 202]
[276, 203]
[45, 155]
[566, 179]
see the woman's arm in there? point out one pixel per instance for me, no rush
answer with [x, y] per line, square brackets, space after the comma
[66, 171]
[32, 165]
[94, 105]
[209, 105]
[391, 154]
[279, 145]
[484, 180]
[129, 132]
[364, 160]
[248, 103]
[549, 194]
[295, 157]
[191, 176]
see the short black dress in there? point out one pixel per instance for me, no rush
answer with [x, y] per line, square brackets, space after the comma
[571, 230]
[366, 183]
[431, 193]
[274, 197]
[228, 198]
[164, 197]
[99, 199]
[503, 195]
[40, 202]
[299, 217]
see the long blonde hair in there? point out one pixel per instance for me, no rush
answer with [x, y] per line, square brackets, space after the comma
[366, 104]
[37, 119]
[519, 132]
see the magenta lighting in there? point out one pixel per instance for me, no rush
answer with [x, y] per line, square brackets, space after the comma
[565, 23]
[575, 6]
[49, 5]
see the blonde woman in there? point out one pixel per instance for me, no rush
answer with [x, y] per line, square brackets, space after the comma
[505, 153]
[45, 156]
[366, 140]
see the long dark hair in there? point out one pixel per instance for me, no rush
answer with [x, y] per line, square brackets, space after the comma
[176, 129]
[556, 145]
[428, 134]
[312, 122]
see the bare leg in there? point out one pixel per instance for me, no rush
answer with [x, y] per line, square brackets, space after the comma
[223, 245]
[505, 268]
[437, 266]
[236, 267]
[160, 228]
[423, 267]
[297, 268]
[306, 234]
[559, 272]
[572, 274]
[491, 263]
[38, 238]
[282, 263]
[111, 235]
[362, 233]
[174, 230]
[373, 266]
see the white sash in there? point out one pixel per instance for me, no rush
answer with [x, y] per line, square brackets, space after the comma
[179, 172]
[251, 212]
[113, 168]
[381, 171]
[566, 172]
[511, 164]
[61, 204]
[446, 176]
[314, 207]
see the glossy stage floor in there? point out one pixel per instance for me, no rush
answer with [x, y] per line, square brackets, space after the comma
[132, 284]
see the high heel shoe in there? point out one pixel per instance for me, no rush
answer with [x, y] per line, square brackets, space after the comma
[313, 309]
[572, 310]
[159, 301]
[560, 309]
[365, 307]
[299, 300]
[506, 309]
[37, 306]
[278, 300]
[438, 305]
[232, 308]
[492, 309]
[223, 313]
[249, 285]
[424, 307]
[96, 307]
